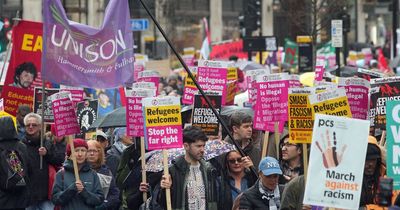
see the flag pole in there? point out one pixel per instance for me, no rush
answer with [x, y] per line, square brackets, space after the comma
[224, 126]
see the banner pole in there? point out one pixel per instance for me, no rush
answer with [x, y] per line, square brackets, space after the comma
[43, 129]
[70, 141]
[166, 172]
[277, 136]
[224, 126]
[265, 145]
[305, 162]
[143, 161]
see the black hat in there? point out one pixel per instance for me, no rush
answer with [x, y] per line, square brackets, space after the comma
[373, 152]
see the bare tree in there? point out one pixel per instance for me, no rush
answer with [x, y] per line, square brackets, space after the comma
[311, 17]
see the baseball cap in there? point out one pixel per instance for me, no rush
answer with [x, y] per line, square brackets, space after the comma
[102, 134]
[269, 165]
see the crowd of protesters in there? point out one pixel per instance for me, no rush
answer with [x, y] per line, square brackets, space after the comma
[110, 171]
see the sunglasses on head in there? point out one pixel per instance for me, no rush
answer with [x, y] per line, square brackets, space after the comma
[233, 161]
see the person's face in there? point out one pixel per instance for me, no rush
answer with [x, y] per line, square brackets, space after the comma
[245, 130]
[270, 181]
[81, 154]
[235, 163]
[195, 150]
[32, 126]
[289, 151]
[126, 140]
[102, 141]
[25, 79]
[20, 116]
[370, 166]
[92, 153]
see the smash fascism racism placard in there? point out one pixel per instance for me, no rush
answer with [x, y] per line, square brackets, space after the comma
[337, 158]
[301, 119]
[163, 122]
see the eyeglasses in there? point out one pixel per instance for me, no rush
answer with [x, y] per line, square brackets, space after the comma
[33, 125]
[237, 160]
[93, 151]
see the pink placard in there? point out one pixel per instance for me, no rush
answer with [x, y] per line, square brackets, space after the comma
[188, 95]
[189, 59]
[134, 110]
[319, 73]
[149, 76]
[164, 137]
[272, 100]
[261, 125]
[357, 95]
[213, 79]
[64, 114]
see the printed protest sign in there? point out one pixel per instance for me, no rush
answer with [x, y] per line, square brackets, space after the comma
[332, 102]
[368, 74]
[319, 73]
[393, 142]
[190, 88]
[389, 90]
[335, 171]
[203, 116]
[231, 91]
[134, 110]
[13, 97]
[357, 95]
[224, 50]
[77, 93]
[232, 73]
[87, 114]
[138, 66]
[272, 97]
[189, 59]
[150, 76]
[212, 76]
[163, 123]
[251, 77]
[64, 114]
[301, 119]
[294, 81]
[48, 108]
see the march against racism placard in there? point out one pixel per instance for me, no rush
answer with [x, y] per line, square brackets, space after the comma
[83, 56]
[134, 110]
[301, 119]
[163, 123]
[64, 114]
[203, 116]
[357, 95]
[393, 142]
[332, 102]
[337, 158]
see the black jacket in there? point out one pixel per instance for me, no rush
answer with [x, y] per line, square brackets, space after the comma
[251, 199]
[178, 172]
[250, 150]
[226, 188]
[40, 176]
[10, 199]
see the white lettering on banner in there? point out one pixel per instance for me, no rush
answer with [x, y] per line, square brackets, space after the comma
[396, 154]
[92, 52]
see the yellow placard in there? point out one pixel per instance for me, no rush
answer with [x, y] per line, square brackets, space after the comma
[189, 82]
[337, 106]
[163, 115]
[303, 39]
[231, 92]
[301, 118]
[232, 73]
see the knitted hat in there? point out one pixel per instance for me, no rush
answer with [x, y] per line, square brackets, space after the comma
[77, 143]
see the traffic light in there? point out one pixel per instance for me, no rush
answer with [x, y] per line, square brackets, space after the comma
[253, 15]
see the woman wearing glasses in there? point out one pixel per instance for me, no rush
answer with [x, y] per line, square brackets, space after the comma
[82, 194]
[236, 178]
[96, 160]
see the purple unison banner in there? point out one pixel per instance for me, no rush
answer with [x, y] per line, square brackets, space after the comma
[83, 56]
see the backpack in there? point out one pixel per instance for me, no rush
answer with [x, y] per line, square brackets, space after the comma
[12, 164]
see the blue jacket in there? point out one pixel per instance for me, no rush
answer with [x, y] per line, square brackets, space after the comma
[66, 195]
